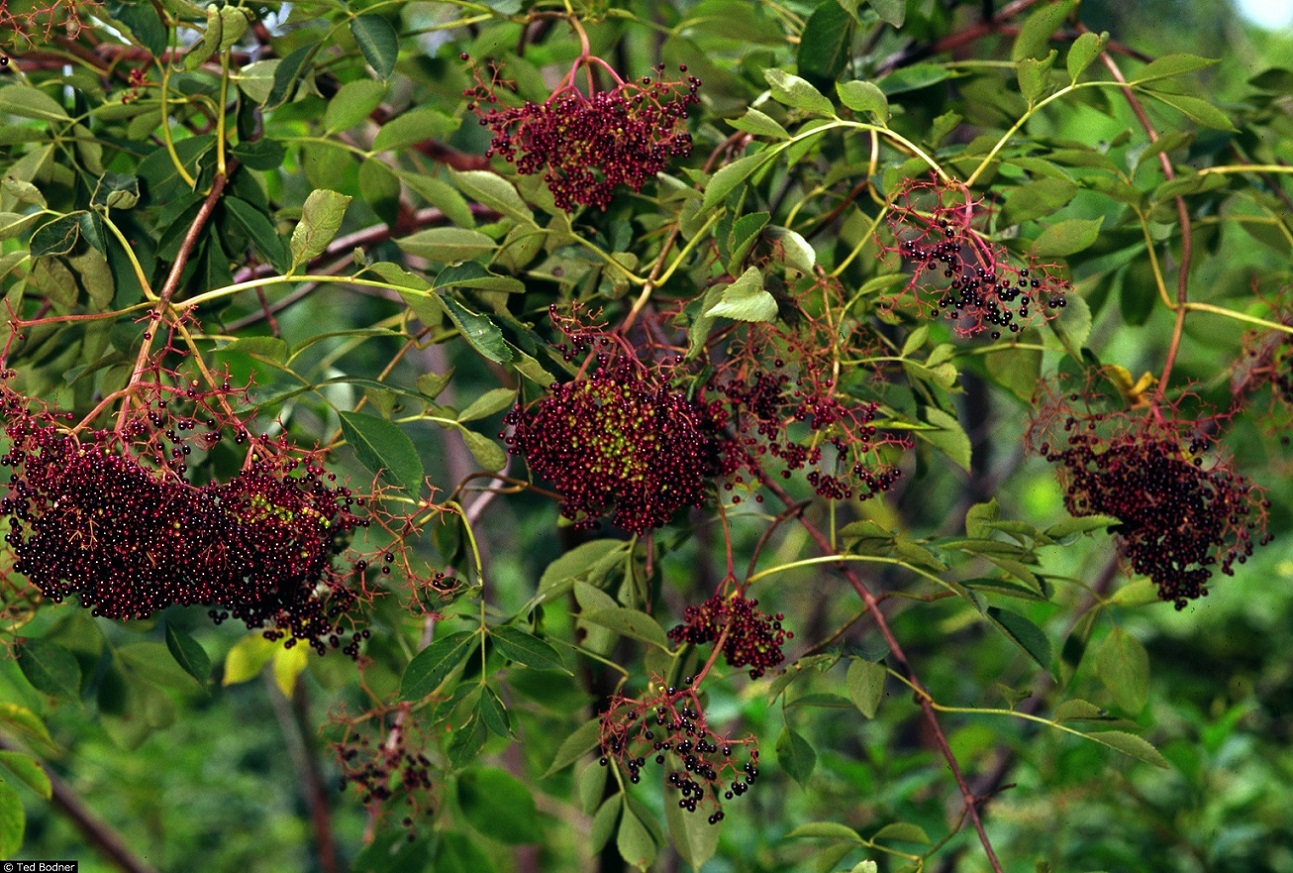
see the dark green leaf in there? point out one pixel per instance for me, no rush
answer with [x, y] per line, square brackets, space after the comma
[288, 73]
[493, 714]
[383, 448]
[693, 836]
[377, 39]
[1023, 633]
[430, 666]
[144, 23]
[115, 191]
[57, 237]
[745, 233]
[479, 332]
[796, 755]
[50, 668]
[260, 230]
[824, 43]
[466, 742]
[583, 740]
[526, 649]
[499, 806]
[188, 653]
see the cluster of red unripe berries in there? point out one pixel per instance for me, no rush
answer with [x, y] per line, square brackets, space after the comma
[586, 145]
[961, 274]
[617, 439]
[670, 729]
[751, 638]
[90, 517]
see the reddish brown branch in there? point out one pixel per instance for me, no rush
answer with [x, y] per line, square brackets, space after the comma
[95, 830]
[923, 698]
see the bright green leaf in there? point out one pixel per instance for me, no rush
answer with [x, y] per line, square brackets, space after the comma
[864, 97]
[797, 93]
[1067, 237]
[746, 299]
[321, 218]
[865, 681]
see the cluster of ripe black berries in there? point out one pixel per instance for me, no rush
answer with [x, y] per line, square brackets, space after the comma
[759, 412]
[1179, 518]
[89, 518]
[753, 638]
[617, 439]
[963, 276]
[671, 730]
[587, 145]
[378, 770]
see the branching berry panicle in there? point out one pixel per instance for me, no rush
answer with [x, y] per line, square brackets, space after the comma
[750, 637]
[585, 145]
[618, 442]
[1183, 510]
[961, 274]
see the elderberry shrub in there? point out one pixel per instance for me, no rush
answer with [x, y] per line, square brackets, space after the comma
[959, 273]
[89, 516]
[1181, 513]
[669, 728]
[617, 439]
[750, 637]
[586, 145]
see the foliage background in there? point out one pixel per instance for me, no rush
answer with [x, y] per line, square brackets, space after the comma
[1218, 689]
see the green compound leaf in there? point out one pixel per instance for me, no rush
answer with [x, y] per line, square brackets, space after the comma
[756, 122]
[378, 41]
[430, 666]
[447, 245]
[384, 449]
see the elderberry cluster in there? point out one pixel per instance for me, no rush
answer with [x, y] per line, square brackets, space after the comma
[761, 411]
[958, 272]
[671, 730]
[587, 145]
[615, 439]
[753, 639]
[1179, 518]
[89, 518]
